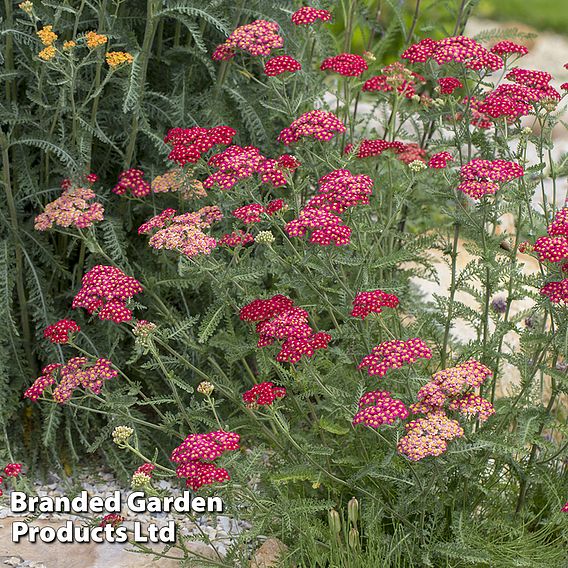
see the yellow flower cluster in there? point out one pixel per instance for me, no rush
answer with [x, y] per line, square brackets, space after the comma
[69, 44]
[47, 35]
[47, 53]
[26, 6]
[94, 39]
[116, 58]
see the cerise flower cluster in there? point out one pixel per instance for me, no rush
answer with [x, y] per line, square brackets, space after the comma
[412, 153]
[370, 148]
[13, 469]
[482, 177]
[189, 144]
[366, 303]
[59, 331]
[346, 64]
[105, 289]
[183, 233]
[338, 190]
[77, 372]
[395, 77]
[195, 456]
[251, 213]
[132, 180]
[263, 394]
[458, 48]
[377, 408]
[318, 124]
[307, 15]
[237, 163]
[440, 160]
[279, 319]
[257, 38]
[281, 64]
[112, 519]
[235, 239]
[504, 48]
[394, 354]
[71, 209]
[449, 84]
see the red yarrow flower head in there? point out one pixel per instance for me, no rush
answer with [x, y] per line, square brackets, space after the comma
[394, 354]
[552, 249]
[473, 405]
[372, 148]
[132, 180]
[556, 292]
[449, 84]
[559, 225]
[263, 394]
[146, 469]
[366, 303]
[236, 239]
[318, 124]
[440, 160]
[281, 64]
[59, 331]
[13, 469]
[504, 48]
[412, 152]
[308, 15]
[46, 379]
[105, 290]
[481, 177]
[112, 519]
[377, 408]
[346, 64]
[288, 162]
[189, 144]
[565, 508]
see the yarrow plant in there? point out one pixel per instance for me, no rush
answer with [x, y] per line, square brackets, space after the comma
[327, 241]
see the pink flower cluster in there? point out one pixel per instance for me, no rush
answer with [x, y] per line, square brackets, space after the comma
[251, 213]
[377, 408]
[429, 436]
[370, 148]
[112, 519]
[235, 239]
[13, 469]
[195, 456]
[281, 64]
[482, 177]
[411, 153]
[77, 372]
[132, 180]
[238, 163]
[183, 233]
[263, 394]
[458, 48]
[394, 354]
[189, 144]
[518, 99]
[59, 331]
[449, 84]
[307, 15]
[105, 289]
[504, 48]
[346, 64]
[279, 319]
[366, 303]
[319, 124]
[451, 386]
[556, 292]
[395, 76]
[564, 509]
[257, 38]
[440, 160]
[71, 209]
[338, 190]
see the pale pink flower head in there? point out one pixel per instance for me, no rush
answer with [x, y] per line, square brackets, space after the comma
[308, 15]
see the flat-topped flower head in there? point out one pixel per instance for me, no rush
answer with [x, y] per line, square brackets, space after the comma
[378, 408]
[559, 225]
[472, 405]
[340, 189]
[307, 15]
[449, 84]
[105, 290]
[460, 49]
[263, 394]
[372, 148]
[394, 354]
[236, 239]
[132, 180]
[395, 77]
[440, 160]
[366, 303]
[13, 469]
[327, 228]
[346, 64]
[258, 38]
[504, 48]
[281, 64]
[318, 124]
[112, 519]
[482, 177]
[189, 144]
[552, 249]
[59, 331]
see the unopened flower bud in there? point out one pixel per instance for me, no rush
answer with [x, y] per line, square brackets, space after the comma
[140, 480]
[205, 388]
[264, 238]
[121, 435]
[353, 511]
[26, 6]
[353, 539]
[334, 521]
[369, 56]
